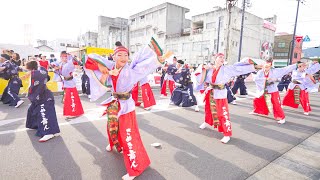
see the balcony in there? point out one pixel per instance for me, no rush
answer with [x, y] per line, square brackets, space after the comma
[197, 31]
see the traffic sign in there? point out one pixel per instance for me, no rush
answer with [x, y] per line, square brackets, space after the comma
[299, 38]
[306, 39]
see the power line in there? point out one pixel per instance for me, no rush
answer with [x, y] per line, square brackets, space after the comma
[290, 22]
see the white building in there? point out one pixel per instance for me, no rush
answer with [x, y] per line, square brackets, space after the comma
[88, 39]
[63, 44]
[111, 30]
[208, 37]
[195, 41]
[162, 21]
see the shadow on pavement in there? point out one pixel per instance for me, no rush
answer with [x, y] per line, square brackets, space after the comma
[194, 159]
[56, 158]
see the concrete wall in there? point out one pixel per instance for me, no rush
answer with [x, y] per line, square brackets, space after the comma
[175, 19]
[109, 31]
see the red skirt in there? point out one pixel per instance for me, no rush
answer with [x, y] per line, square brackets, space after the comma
[135, 155]
[288, 100]
[135, 95]
[222, 114]
[260, 106]
[164, 87]
[72, 104]
[147, 96]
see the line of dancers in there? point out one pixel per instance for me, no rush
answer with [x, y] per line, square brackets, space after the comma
[129, 86]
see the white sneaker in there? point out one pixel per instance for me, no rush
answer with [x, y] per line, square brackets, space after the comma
[234, 102]
[46, 137]
[127, 177]
[89, 96]
[19, 103]
[281, 121]
[197, 109]
[147, 109]
[225, 139]
[306, 113]
[253, 113]
[108, 148]
[171, 103]
[203, 125]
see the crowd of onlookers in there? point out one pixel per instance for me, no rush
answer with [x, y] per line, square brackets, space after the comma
[14, 57]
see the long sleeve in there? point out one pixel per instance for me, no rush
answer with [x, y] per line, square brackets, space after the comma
[280, 72]
[97, 89]
[313, 69]
[259, 80]
[238, 69]
[144, 63]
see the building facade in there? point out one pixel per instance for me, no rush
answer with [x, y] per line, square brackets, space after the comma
[111, 30]
[211, 33]
[282, 50]
[63, 44]
[163, 21]
[88, 39]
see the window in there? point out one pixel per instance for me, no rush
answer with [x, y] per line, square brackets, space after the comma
[62, 44]
[222, 43]
[149, 16]
[196, 46]
[155, 14]
[133, 21]
[161, 35]
[205, 45]
[68, 45]
[295, 55]
[210, 25]
[186, 47]
[281, 54]
[215, 44]
[142, 18]
[281, 45]
[221, 21]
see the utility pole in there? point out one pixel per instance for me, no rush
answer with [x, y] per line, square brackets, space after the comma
[294, 32]
[121, 30]
[218, 40]
[230, 4]
[241, 31]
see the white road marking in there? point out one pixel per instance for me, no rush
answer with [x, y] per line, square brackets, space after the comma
[82, 119]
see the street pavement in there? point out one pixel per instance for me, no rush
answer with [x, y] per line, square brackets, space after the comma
[259, 148]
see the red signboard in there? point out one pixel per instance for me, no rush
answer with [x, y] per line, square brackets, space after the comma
[269, 25]
[299, 38]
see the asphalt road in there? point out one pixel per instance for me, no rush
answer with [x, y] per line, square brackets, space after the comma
[186, 151]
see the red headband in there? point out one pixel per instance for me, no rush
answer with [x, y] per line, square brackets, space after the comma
[219, 54]
[119, 49]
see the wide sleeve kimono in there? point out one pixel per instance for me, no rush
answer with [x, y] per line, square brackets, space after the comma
[300, 77]
[274, 74]
[66, 71]
[225, 74]
[144, 63]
